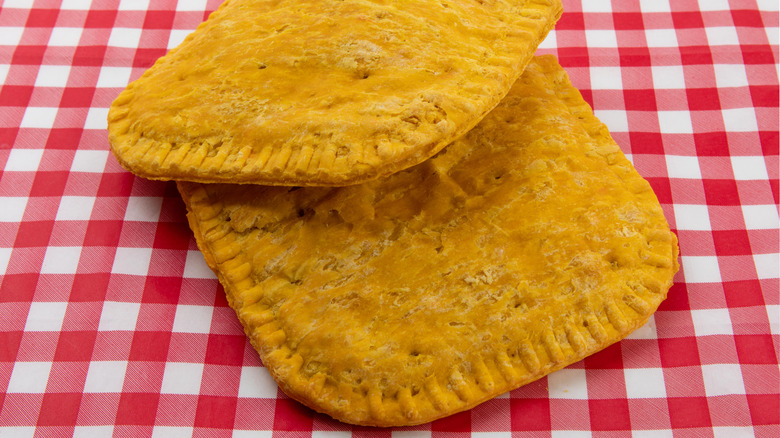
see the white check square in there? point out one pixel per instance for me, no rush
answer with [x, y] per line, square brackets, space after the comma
[253, 434]
[18, 4]
[722, 379]
[550, 41]
[5, 258]
[767, 265]
[89, 161]
[730, 75]
[114, 77]
[75, 208]
[195, 266]
[680, 166]
[93, 431]
[668, 77]
[182, 378]
[172, 432]
[126, 37]
[192, 319]
[105, 376]
[675, 122]
[118, 316]
[733, 432]
[256, 382]
[10, 36]
[661, 433]
[133, 5]
[773, 35]
[740, 120]
[23, 160]
[661, 37]
[597, 6]
[143, 208]
[191, 5]
[177, 36]
[773, 312]
[616, 120]
[4, 72]
[647, 331]
[701, 269]
[654, 6]
[65, 36]
[61, 260]
[568, 383]
[606, 78]
[38, 117]
[29, 377]
[339, 434]
[714, 5]
[52, 76]
[601, 38]
[692, 217]
[13, 207]
[45, 316]
[76, 5]
[722, 36]
[645, 383]
[749, 168]
[768, 5]
[96, 118]
[570, 434]
[132, 261]
[710, 322]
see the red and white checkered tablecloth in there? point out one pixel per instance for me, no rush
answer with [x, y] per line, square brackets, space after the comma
[111, 323]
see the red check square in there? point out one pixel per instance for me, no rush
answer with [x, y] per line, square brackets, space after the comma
[731, 242]
[34, 234]
[460, 422]
[59, 409]
[75, 346]
[628, 21]
[103, 233]
[721, 192]
[609, 414]
[18, 287]
[764, 408]
[215, 412]
[77, 97]
[159, 20]
[530, 414]
[101, 19]
[137, 408]
[28, 55]
[225, 349]
[689, 412]
[14, 95]
[703, 99]
[679, 352]
[150, 346]
[743, 293]
[755, 349]
[290, 415]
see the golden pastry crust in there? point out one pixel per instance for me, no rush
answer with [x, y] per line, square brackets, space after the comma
[521, 248]
[323, 93]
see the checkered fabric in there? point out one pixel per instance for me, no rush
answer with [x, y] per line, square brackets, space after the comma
[111, 322]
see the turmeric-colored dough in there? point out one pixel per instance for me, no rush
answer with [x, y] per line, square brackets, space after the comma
[323, 93]
[523, 247]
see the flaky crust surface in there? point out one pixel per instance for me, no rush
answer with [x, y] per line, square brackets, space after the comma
[521, 248]
[327, 93]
